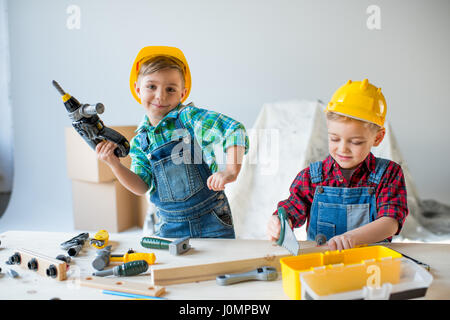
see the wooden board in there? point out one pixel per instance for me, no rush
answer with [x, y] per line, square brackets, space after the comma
[210, 271]
[42, 263]
[120, 285]
[168, 275]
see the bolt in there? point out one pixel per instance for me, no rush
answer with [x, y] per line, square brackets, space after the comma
[52, 271]
[15, 258]
[33, 264]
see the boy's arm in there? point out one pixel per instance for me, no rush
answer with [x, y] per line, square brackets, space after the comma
[218, 180]
[297, 206]
[211, 128]
[130, 180]
[372, 232]
[392, 209]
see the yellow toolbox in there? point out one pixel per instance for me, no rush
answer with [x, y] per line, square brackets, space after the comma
[332, 284]
[344, 270]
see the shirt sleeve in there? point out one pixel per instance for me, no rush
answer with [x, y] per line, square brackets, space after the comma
[139, 162]
[211, 127]
[298, 205]
[392, 197]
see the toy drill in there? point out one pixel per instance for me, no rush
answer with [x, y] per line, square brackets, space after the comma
[86, 122]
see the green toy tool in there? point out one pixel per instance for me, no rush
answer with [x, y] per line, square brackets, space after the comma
[131, 268]
[287, 238]
[176, 247]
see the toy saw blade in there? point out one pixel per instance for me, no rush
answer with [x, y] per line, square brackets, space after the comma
[287, 238]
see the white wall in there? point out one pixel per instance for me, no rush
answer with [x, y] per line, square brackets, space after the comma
[6, 140]
[242, 54]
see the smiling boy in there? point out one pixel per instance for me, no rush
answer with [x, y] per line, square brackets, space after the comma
[172, 153]
[351, 197]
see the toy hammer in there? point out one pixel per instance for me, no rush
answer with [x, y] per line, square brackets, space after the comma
[176, 247]
[104, 257]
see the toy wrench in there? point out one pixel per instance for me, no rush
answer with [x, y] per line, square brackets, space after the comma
[263, 273]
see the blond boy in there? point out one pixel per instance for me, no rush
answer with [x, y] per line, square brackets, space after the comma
[172, 153]
[351, 197]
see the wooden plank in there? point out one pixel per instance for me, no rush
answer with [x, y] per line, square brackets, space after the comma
[120, 285]
[43, 263]
[210, 271]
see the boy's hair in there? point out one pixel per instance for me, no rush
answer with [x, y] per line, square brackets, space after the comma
[160, 63]
[333, 116]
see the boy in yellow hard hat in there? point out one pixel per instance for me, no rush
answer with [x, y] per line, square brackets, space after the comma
[172, 153]
[351, 197]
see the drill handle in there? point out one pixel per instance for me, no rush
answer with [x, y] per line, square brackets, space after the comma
[123, 147]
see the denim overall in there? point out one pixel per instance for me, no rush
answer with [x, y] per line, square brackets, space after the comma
[185, 205]
[336, 210]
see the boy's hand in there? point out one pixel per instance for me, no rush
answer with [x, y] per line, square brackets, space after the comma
[274, 228]
[105, 152]
[218, 180]
[340, 242]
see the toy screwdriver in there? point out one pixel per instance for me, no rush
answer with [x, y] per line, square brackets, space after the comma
[150, 258]
[131, 268]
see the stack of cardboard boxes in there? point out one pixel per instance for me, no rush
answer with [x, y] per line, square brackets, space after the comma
[99, 199]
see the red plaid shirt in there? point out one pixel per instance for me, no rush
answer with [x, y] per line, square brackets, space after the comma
[390, 192]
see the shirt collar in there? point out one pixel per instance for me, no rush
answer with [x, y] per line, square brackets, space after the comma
[145, 122]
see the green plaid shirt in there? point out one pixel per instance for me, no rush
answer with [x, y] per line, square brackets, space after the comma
[209, 128]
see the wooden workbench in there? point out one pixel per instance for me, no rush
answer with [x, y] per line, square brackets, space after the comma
[32, 286]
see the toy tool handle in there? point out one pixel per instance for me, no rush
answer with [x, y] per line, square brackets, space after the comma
[227, 279]
[123, 147]
[131, 268]
[155, 243]
[282, 216]
[148, 257]
[263, 273]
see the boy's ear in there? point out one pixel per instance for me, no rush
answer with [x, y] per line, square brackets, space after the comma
[183, 93]
[137, 89]
[379, 137]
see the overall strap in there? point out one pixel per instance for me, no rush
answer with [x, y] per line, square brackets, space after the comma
[315, 171]
[380, 168]
[143, 140]
[179, 124]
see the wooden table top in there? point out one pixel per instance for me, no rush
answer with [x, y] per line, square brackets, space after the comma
[30, 285]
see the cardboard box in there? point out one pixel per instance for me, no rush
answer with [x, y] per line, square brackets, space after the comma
[82, 161]
[106, 205]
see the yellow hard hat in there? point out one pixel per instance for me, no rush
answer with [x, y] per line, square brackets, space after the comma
[360, 100]
[147, 53]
